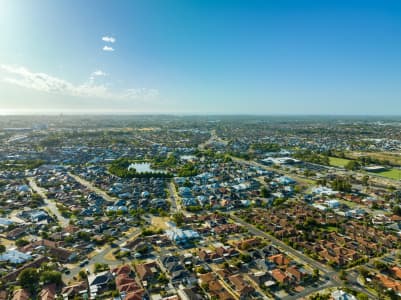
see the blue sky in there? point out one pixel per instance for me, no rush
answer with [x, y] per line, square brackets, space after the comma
[247, 57]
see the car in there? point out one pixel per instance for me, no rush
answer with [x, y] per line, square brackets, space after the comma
[84, 262]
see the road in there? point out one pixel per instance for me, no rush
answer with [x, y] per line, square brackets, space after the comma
[50, 204]
[267, 168]
[228, 288]
[310, 289]
[333, 276]
[376, 180]
[93, 188]
[213, 138]
[100, 257]
[323, 269]
[174, 198]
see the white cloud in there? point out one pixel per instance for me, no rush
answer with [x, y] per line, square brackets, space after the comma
[108, 39]
[108, 49]
[98, 73]
[141, 93]
[21, 76]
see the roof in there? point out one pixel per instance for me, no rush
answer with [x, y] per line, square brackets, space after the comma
[279, 259]
[279, 275]
[341, 295]
[124, 269]
[21, 294]
[146, 270]
[15, 256]
[206, 278]
[48, 292]
[74, 288]
[99, 279]
[240, 284]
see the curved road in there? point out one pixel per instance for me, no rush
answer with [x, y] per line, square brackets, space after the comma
[100, 257]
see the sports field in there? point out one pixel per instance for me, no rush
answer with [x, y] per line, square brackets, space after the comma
[392, 174]
[338, 162]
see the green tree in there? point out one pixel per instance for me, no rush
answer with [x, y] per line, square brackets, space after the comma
[264, 192]
[49, 277]
[178, 218]
[397, 210]
[21, 242]
[82, 274]
[315, 274]
[342, 275]
[341, 184]
[352, 165]
[29, 279]
[320, 297]
[99, 267]
[364, 272]
[381, 266]
[362, 296]
[365, 180]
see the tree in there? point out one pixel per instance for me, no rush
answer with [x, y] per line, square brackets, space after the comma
[364, 272]
[49, 277]
[2, 249]
[352, 165]
[362, 296]
[29, 279]
[381, 266]
[342, 275]
[320, 297]
[21, 242]
[178, 218]
[99, 267]
[316, 274]
[365, 180]
[82, 274]
[341, 184]
[264, 192]
[162, 278]
[392, 294]
[397, 210]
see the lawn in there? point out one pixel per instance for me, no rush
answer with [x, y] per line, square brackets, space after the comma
[351, 204]
[331, 229]
[338, 162]
[392, 174]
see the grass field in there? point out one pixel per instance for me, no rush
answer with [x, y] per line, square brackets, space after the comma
[393, 158]
[338, 162]
[392, 174]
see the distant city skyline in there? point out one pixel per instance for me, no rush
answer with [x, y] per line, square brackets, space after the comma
[290, 57]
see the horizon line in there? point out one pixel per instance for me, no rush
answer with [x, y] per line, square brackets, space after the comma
[194, 114]
[118, 113]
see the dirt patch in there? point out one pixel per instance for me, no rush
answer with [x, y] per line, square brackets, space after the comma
[110, 256]
[7, 243]
[160, 222]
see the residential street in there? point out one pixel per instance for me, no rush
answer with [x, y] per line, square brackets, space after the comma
[100, 256]
[93, 188]
[50, 204]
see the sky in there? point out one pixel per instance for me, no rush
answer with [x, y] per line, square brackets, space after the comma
[201, 57]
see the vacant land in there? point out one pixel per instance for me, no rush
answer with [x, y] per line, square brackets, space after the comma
[338, 162]
[160, 222]
[392, 174]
